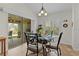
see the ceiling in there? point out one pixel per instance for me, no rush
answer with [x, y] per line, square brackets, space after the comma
[50, 7]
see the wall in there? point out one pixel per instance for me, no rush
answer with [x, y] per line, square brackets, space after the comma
[16, 9]
[58, 19]
[4, 26]
[75, 11]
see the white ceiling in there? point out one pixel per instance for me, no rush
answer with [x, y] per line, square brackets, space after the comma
[50, 7]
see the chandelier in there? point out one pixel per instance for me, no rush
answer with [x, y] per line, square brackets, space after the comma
[42, 12]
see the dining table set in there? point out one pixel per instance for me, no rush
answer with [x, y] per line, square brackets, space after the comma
[43, 40]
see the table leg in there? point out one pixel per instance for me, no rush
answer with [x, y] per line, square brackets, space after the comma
[4, 47]
[49, 48]
[44, 51]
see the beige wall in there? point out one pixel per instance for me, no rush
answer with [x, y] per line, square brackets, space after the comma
[75, 19]
[4, 26]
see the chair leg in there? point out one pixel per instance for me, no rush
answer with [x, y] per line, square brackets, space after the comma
[57, 52]
[60, 51]
[27, 53]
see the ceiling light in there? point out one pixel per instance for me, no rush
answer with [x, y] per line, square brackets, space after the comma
[39, 14]
[45, 14]
[42, 12]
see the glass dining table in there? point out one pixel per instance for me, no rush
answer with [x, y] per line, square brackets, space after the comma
[44, 40]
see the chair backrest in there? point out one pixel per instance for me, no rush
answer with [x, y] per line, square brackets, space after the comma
[26, 37]
[30, 37]
[59, 39]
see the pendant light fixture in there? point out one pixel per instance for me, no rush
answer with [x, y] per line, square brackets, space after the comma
[42, 12]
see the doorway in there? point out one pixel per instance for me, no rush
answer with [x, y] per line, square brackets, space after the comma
[17, 26]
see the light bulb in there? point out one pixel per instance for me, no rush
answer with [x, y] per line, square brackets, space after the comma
[42, 11]
[45, 14]
[39, 14]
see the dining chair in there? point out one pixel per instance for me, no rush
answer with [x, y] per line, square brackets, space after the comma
[34, 47]
[57, 48]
